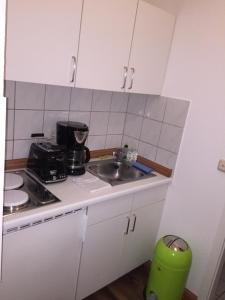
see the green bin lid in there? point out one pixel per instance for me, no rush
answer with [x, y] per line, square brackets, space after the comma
[173, 251]
[175, 243]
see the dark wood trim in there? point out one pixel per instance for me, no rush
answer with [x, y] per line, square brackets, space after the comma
[102, 152]
[157, 167]
[188, 295]
[21, 163]
[15, 164]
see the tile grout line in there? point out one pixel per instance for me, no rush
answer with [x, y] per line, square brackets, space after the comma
[70, 103]
[142, 125]
[157, 146]
[126, 113]
[43, 119]
[109, 114]
[14, 121]
[92, 97]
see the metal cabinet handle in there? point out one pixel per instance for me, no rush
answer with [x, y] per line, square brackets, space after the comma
[135, 219]
[74, 60]
[132, 78]
[128, 225]
[124, 77]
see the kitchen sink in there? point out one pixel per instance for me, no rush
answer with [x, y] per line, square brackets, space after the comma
[116, 172]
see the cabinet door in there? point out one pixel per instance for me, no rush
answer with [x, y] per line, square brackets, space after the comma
[150, 49]
[101, 255]
[106, 34]
[140, 241]
[42, 39]
[41, 262]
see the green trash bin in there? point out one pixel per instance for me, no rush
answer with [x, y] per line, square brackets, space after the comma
[169, 270]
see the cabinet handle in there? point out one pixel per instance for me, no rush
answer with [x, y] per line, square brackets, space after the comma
[132, 78]
[74, 60]
[128, 225]
[124, 77]
[135, 219]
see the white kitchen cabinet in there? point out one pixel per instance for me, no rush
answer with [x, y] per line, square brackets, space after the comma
[119, 240]
[140, 241]
[105, 39]
[42, 261]
[42, 41]
[150, 49]
[120, 53]
[99, 261]
[123, 44]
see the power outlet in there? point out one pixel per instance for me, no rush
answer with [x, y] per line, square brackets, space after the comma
[221, 165]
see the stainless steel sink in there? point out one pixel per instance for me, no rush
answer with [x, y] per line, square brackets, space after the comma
[116, 172]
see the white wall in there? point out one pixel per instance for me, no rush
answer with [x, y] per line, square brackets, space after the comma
[171, 6]
[2, 112]
[196, 71]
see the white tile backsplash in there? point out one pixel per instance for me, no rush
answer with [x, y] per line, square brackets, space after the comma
[50, 120]
[9, 150]
[81, 99]
[155, 108]
[151, 131]
[21, 148]
[29, 96]
[166, 158]
[148, 151]
[136, 104]
[113, 141]
[80, 116]
[10, 124]
[99, 123]
[96, 142]
[101, 100]
[170, 138]
[176, 112]
[151, 124]
[9, 93]
[119, 102]
[57, 97]
[116, 123]
[27, 122]
[133, 126]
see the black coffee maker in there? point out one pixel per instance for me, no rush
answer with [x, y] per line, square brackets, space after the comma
[73, 136]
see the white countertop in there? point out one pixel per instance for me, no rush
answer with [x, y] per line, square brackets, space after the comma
[73, 196]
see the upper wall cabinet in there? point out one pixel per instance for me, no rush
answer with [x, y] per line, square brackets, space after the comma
[106, 34]
[123, 44]
[124, 47]
[150, 49]
[42, 40]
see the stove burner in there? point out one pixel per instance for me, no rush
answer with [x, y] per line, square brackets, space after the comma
[15, 200]
[12, 181]
[30, 195]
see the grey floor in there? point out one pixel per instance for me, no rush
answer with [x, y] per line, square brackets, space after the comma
[220, 291]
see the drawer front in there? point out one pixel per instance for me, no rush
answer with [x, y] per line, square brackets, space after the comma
[109, 209]
[149, 196]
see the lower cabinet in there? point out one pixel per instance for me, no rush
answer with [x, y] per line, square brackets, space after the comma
[120, 236]
[102, 248]
[140, 240]
[41, 262]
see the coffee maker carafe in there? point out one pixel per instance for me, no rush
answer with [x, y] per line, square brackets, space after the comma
[73, 136]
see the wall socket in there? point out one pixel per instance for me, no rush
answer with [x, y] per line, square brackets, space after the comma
[221, 165]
